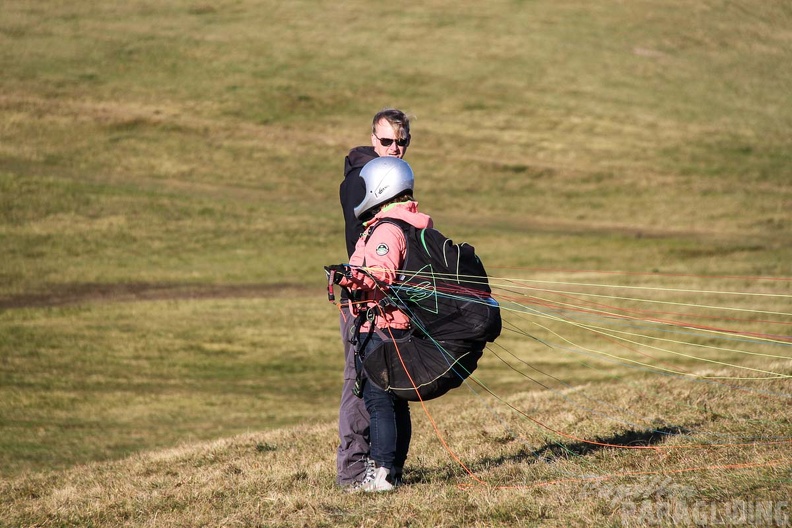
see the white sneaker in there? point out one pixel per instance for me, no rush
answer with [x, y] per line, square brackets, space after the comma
[376, 479]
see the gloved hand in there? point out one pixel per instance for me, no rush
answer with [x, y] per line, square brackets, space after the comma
[341, 271]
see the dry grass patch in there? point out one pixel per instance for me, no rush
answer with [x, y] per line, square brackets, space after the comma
[519, 474]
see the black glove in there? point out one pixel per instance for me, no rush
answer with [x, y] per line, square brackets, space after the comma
[341, 270]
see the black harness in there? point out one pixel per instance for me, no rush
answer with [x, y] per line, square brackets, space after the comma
[370, 316]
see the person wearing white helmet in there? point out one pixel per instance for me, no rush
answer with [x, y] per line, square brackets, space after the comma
[390, 137]
[379, 254]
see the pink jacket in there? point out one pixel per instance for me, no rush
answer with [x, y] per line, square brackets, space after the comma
[382, 256]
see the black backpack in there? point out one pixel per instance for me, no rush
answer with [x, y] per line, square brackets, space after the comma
[443, 288]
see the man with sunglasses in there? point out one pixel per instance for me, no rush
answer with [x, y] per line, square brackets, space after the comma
[390, 136]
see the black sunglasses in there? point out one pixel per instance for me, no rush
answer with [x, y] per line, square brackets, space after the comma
[386, 142]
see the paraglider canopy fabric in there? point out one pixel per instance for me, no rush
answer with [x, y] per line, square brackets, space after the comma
[444, 290]
[432, 367]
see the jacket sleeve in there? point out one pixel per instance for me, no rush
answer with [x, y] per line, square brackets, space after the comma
[382, 257]
[351, 193]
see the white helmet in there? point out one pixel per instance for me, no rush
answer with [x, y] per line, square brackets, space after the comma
[386, 178]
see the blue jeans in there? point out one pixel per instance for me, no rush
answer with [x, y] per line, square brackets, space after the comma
[391, 428]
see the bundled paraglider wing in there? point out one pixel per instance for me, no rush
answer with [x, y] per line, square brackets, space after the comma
[415, 368]
[444, 290]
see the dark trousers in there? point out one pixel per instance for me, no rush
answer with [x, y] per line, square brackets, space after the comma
[353, 418]
[391, 426]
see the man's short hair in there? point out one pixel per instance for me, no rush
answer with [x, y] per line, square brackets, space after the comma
[397, 119]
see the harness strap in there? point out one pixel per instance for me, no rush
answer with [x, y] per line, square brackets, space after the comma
[369, 315]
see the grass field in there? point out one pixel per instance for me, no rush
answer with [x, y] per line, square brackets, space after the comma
[168, 196]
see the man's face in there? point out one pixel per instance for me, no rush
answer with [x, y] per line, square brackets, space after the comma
[384, 131]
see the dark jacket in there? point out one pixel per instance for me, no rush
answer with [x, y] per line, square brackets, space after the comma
[352, 192]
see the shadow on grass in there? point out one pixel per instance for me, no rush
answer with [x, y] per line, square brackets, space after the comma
[645, 438]
[552, 452]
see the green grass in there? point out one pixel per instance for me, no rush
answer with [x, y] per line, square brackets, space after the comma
[523, 476]
[101, 381]
[168, 196]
